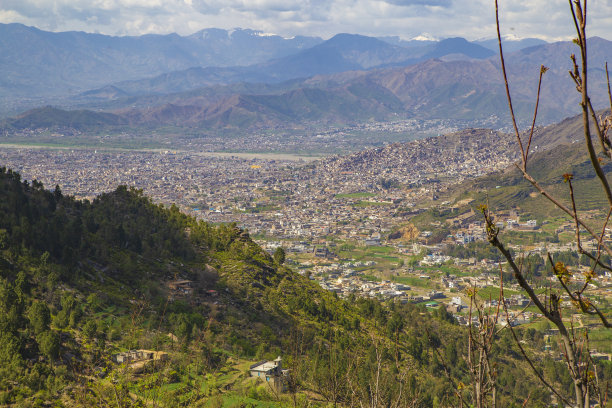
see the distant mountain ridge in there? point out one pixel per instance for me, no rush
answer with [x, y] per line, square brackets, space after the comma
[510, 44]
[348, 79]
[442, 89]
[458, 45]
[435, 89]
[341, 53]
[46, 63]
[42, 67]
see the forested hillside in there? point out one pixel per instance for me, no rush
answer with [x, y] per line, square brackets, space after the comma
[82, 281]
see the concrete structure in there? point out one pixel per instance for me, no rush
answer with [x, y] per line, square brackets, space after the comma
[132, 356]
[271, 372]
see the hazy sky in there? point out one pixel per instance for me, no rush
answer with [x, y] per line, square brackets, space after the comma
[473, 19]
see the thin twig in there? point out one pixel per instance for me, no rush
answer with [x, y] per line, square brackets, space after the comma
[608, 82]
[585, 305]
[503, 66]
[562, 207]
[581, 32]
[568, 178]
[603, 141]
[543, 70]
[518, 275]
[603, 232]
[575, 22]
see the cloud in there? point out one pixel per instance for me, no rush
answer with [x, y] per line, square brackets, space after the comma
[206, 6]
[11, 16]
[406, 18]
[269, 10]
[437, 3]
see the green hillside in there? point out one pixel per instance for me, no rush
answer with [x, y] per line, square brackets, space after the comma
[508, 189]
[82, 281]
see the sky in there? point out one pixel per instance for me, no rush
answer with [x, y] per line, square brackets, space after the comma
[472, 19]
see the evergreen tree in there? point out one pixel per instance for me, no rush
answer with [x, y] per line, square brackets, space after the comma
[279, 256]
[49, 344]
[39, 317]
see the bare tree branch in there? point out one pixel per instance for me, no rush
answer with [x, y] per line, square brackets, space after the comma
[503, 66]
[563, 207]
[543, 70]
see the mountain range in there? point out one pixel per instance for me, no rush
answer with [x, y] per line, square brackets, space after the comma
[43, 64]
[283, 83]
[341, 53]
[46, 63]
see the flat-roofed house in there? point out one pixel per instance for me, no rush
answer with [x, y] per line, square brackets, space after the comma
[271, 372]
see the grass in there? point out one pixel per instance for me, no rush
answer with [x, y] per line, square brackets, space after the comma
[414, 281]
[450, 269]
[244, 392]
[553, 224]
[522, 237]
[382, 254]
[492, 292]
[233, 400]
[601, 340]
[386, 257]
[381, 249]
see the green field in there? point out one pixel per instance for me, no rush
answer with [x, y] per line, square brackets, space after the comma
[415, 281]
[601, 340]
[492, 292]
